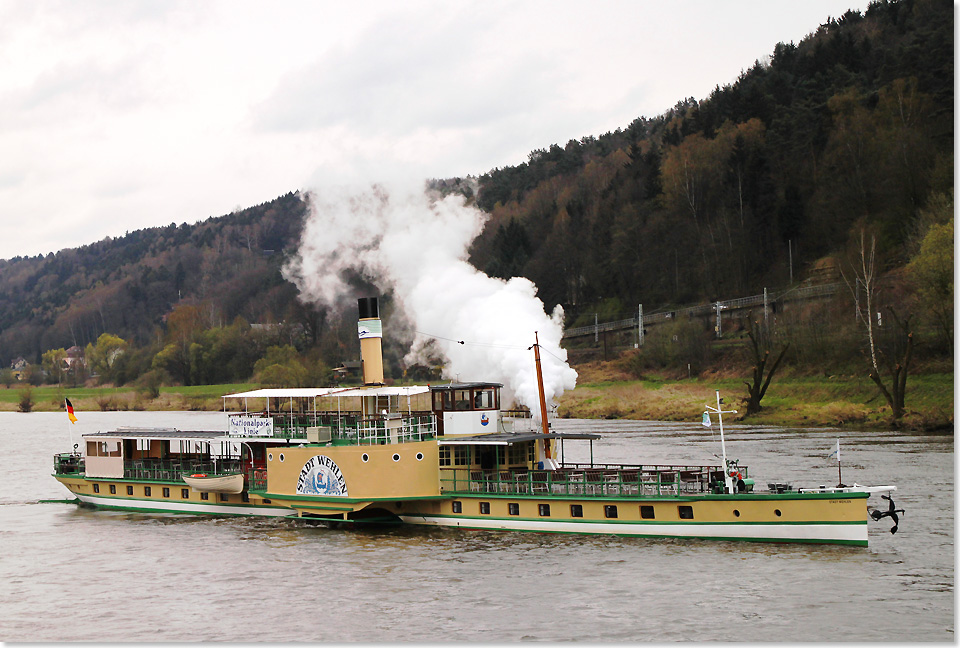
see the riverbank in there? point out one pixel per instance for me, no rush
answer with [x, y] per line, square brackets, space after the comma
[603, 392]
[791, 401]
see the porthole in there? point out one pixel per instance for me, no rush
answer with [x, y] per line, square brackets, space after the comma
[396, 457]
[281, 457]
[364, 457]
[736, 513]
[270, 457]
[777, 512]
[419, 456]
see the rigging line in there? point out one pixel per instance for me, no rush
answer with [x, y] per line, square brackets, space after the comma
[553, 354]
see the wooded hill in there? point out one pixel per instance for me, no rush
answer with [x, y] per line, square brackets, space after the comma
[850, 128]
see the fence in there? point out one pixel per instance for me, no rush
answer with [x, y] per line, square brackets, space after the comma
[792, 294]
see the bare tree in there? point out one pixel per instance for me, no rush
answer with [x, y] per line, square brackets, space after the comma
[864, 271]
[760, 348]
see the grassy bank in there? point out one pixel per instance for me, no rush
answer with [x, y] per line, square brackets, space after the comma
[603, 391]
[51, 398]
[796, 401]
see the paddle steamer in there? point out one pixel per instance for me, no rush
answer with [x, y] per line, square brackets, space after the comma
[441, 455]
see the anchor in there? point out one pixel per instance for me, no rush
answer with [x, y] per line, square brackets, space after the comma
[891, 512]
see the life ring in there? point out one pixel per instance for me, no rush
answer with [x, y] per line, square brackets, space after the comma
[736, 474]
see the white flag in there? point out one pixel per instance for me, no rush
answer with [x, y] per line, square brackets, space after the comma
[706, 419]
[836, 451]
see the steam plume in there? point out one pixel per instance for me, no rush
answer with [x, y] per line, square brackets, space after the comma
[415, 245]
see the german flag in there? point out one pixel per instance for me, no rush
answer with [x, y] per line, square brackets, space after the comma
[73, 419]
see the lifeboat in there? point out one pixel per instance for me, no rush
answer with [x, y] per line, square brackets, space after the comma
[215, 483]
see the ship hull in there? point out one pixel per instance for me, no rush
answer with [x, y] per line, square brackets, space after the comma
[788, 517]
[806, 518]
[847, 534]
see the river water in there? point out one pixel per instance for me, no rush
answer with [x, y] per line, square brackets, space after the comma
[73, 574]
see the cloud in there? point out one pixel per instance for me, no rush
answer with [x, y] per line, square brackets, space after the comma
[410, 72]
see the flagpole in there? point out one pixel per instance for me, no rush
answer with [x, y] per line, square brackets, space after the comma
[839, 473]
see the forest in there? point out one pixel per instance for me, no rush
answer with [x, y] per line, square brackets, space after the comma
[820, 153]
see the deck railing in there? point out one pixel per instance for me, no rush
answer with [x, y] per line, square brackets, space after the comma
[173, 470]
[589, 480]
[68, 464]
[352, 429]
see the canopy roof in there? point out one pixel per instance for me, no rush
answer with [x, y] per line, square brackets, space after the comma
[509, 438]
[320, 392]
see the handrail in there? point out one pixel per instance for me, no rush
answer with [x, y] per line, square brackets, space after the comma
[587, 480]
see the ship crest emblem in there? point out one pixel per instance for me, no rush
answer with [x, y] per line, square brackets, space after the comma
[321, 475]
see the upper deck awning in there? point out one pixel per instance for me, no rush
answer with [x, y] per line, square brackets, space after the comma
[320, 392]
[158, 433]
[468, 385]
[298, 392]
[412, 390]
[507, 438]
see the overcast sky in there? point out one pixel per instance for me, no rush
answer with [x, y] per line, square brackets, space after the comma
[120, 115]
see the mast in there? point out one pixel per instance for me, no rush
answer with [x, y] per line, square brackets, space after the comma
[543, 398]
[727, 480]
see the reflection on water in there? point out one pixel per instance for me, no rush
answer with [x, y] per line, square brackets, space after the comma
[80, 574]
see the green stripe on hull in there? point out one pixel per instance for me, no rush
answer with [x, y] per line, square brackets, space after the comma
[848, 533]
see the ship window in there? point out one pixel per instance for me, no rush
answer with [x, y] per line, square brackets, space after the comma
[544, 510]
[396, 457]
[484, 508]
[281, 457]
[113, 489]
[646, 512]
[270, 457]
[610, 511]
[444, 455]
[461, 456]
[129, 490]
[419, 456]
[483, 399]
[184, 493]
[736, 513]
[513, 508]
[685, 512]
[224, 497]
[364, 457]
[96, 488]
[576, 510]
[166, 491]
[147, 491]
[461, 400]
[205, 496]
[458, 507]
[777, 512]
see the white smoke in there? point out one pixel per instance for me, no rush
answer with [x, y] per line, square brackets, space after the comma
[415, 246]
